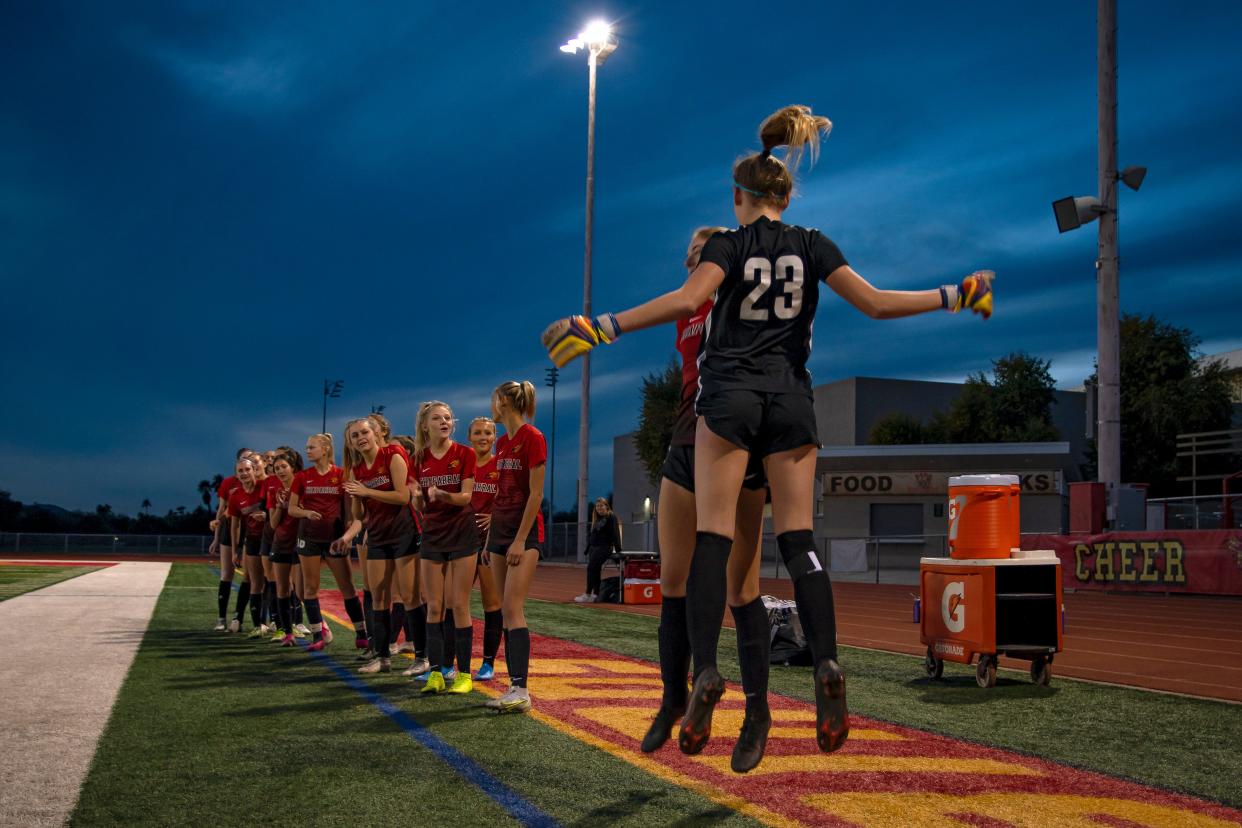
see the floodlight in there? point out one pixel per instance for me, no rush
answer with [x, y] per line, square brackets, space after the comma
[1133, 177]
[596, 34]
[1071, 213]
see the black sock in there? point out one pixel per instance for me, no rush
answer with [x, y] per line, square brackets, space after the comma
[812, 592]
[369, 607]
[284, 614]
[269, 611]
[517, 655]
[753, 651]
[398, 623]
[493, 624]
[418, 630]
[296, 604]
[243, 599]
[256, 608]
[222, 598]
[674, 651]
[353, 608]
[315, 616]
[435, 645]
[449, 635]
[705, 597]
[505, 634]
[380, 632]
[465, 647]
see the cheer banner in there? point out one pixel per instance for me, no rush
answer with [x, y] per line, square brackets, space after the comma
[1204, 562]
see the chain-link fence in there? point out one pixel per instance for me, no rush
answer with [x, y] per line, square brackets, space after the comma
[41, 543]
[1202, 512]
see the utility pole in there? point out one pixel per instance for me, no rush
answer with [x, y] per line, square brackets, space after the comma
[552, 376]
[1107, 265]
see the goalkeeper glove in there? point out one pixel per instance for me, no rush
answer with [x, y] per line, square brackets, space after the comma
[975, 293]
[573, 336]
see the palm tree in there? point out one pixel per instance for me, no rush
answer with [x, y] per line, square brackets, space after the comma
[146, 506]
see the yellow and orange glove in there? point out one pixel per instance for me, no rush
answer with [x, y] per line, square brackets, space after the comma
[569, 338]
[975, 293]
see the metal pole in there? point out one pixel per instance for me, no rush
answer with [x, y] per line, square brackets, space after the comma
[584, 415]
[324, 428]
[552, 470]
[1107, 265]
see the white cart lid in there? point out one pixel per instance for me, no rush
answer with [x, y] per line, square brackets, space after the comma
[983, 480]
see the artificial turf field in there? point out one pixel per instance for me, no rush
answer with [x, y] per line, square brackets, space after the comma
[217, 729]
[17, 579]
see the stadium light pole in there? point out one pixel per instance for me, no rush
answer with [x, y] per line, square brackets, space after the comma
[1072, 213]
[599, 43]
[551, 377]
[330, 389]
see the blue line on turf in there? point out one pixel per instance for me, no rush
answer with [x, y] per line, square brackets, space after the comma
[520, 809]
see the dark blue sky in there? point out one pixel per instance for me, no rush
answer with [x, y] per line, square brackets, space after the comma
[205, 208]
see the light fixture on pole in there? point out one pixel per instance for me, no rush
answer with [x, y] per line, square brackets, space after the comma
[330, 389]
[551, 377]
[598, 41]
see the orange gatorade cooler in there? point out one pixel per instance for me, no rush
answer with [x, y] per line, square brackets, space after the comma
[983, 516]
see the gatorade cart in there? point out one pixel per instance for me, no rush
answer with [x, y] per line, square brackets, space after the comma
[989, 598]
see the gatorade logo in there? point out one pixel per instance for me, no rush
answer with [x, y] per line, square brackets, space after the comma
[648, 592]
[953, 607]
[956, 504]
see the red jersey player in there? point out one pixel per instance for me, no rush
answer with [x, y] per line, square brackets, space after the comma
[246, 517]
[482, 438]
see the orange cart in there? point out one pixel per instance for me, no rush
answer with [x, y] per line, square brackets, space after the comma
[991, 607]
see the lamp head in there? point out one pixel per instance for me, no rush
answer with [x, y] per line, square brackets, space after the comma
[1133, 177]
[1071, 213]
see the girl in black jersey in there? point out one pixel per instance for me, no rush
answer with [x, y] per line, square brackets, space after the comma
[755, 398]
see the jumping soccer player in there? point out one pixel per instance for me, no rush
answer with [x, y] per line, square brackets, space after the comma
[450, 541]
[515, 537]
[755, 398]
[381, 502]
[315, 499]
[483, 437]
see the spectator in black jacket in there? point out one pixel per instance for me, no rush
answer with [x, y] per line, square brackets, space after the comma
[603, 540]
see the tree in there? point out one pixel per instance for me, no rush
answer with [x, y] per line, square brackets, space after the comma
[1165, 391]
[10, 509]
[898, 429]
[207, 488]
[661, 398]
[146, 506]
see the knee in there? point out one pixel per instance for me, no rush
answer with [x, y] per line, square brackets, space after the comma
[740, 596]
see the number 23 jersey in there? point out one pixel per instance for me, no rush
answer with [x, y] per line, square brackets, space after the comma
[758, 334]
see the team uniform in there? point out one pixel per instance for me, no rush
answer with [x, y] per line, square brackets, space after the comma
[516, 455]
[486, 478]
[679, 463]
[249, 507]
[322, 493]
[449, 532]
[285, 535]
[754, 386]
[269, 486]
[390, 526]
[227, 485]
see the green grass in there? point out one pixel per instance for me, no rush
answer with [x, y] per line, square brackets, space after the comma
[216, 730]
[1172, 742]
[16, 579]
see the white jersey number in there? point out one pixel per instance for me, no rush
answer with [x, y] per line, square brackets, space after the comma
[788, 302]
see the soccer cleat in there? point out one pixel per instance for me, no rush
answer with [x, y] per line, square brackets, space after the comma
[376, 665]
[435, 683]
[661, 728]
[748, 751]
[462, 684]
[517, 700]
[220, 626]
[288, 641]
[257, 632]
[277, 634]
[327, 633]
[234, 626]
[486, 672]
[832, 720]
[361, 642]
[301, 631]
[315, 646]
[450, 673]
[368, 655]
[406, 647]
[418, 668]
[696, 727]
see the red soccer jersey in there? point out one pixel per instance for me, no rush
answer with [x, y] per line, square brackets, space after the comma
[269, 484]
[248, 505]
[447, 528]
[227, 485]
[516, 455]
[286, 531]
[319, 493]
[689, 340]
[386, 522]
[485, 479]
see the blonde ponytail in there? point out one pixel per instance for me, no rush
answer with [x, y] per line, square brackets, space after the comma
[767, 177]
[520, 396]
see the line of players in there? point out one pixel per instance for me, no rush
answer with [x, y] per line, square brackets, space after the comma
[428, 518]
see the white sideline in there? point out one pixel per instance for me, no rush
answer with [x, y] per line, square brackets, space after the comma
[64, 652]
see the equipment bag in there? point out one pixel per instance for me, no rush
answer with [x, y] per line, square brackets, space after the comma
[610, 590]
[788, 642]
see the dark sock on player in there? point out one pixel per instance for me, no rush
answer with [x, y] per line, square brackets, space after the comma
[517, 656]
[505, 633]
[435, 646]
[812, 592]
[753, 650]
[284, 613]
[418, 630]
[315, 616]
[464, 639]
[270, 613]
[448, 633]
[493, 624]
[256, 609]
[705, 597]
[222, 598]
[398, 624]
[380, 632]
[296, 604]
[243, 599]
[353, 608]
[369, 607]
[674, 651]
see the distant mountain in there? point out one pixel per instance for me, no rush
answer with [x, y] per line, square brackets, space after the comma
[59, 511]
